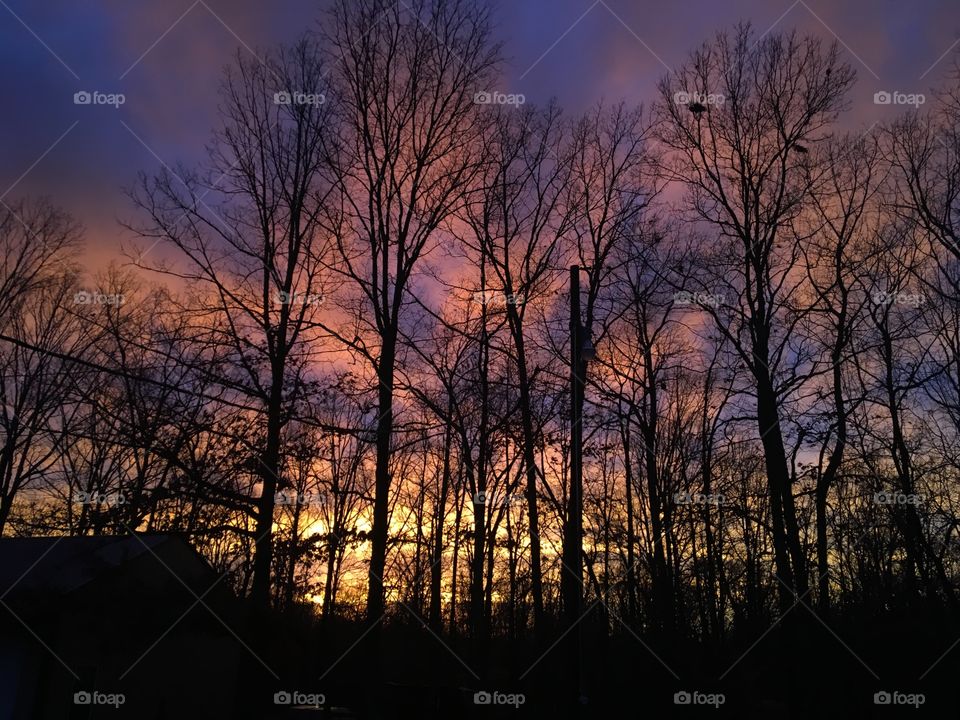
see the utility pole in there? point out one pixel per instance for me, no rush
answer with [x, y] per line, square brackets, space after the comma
[581, 350]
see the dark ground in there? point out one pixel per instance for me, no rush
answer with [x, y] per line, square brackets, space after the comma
[799, 669]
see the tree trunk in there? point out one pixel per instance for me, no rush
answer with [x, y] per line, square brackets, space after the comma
[631, 574]
[381, 502]
[269, 473]
[788, 553]
[530, 466]
[436, 557]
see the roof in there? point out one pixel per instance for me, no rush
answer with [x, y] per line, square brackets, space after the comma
[60, 565]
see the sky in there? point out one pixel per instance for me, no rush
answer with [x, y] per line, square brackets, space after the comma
[167, 58]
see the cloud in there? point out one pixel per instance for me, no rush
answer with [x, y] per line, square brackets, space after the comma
[171, 91]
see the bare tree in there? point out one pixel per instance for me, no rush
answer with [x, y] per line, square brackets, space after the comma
[246, 230]
[406, 79]
[845, 206]
[738, 121]
[37, 241]
[518, 217]
[37, 382]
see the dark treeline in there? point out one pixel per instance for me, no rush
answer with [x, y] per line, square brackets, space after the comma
[337, 359]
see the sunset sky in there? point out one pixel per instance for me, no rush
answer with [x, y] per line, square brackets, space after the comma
[590, 411]
[167, 59]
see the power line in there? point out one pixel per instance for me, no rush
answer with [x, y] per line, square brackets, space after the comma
[119, 372]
